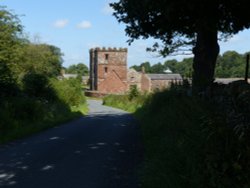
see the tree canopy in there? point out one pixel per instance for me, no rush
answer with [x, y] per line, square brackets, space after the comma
[230, 64]
[21, 59]
[80, 69]
[42, 59]
[10, 50]
[183, 25]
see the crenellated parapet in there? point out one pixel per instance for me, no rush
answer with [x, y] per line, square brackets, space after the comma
[108, 69]
[109, 49]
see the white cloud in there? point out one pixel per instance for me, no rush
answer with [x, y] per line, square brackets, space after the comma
[84, 25]
[61, 23]
[107, 9]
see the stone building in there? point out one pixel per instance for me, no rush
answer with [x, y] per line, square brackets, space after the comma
[134, 78]
[151, 82]
[109, 74]
[108, 70]
[156, 82]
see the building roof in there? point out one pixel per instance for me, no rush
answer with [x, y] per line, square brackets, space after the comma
[228, 80]
[164, 76]
[74, 76]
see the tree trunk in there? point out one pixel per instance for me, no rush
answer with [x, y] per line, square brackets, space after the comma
[205, 52]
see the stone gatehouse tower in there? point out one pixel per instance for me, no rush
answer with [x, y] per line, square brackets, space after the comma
[108, 70]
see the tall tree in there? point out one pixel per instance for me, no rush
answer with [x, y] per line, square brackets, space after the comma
[157, 68]
[185, 23]
[80, 69]
[146, 65]
[42, 59]
[10, 50]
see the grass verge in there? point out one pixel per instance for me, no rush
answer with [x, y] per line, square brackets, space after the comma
[124, 102]
[189, 143]
[24, 117]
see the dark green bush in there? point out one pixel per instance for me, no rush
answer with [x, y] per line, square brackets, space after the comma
[42, 104]
[69, 91]
[133, 92]
[38, 86]
[22, 116]
[189, 143]
[8, 85]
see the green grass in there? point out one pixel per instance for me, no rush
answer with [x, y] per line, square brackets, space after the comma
[82, 108]
[188, 142]
[24, 117]
[124, 102]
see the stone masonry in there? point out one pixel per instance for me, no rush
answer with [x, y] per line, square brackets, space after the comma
[109, 74]
[108, 70]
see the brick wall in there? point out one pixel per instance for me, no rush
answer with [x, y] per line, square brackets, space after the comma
[160, 84]
[109, 70]
[134, 78]
[145, 83]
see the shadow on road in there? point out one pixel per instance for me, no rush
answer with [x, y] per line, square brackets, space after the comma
[100, 150]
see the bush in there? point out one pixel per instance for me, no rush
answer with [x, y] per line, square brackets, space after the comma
[188, 143]
[125, 102]
[37, 85]
[133, 92]
[36, 109]
[22, 116]
[69, 91]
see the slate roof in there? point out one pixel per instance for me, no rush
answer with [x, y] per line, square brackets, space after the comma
[74, 76]
[227, 80]
[164, 76]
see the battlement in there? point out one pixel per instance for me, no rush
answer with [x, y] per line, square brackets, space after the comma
[104, 49]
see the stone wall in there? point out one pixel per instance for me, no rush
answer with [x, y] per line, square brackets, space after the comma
[145, 83]
[134, 78]
[108, 72]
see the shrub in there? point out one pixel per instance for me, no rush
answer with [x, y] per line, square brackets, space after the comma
[188, 143]
[133, 92]
[37, 85]
[124, 102]
[69, 91]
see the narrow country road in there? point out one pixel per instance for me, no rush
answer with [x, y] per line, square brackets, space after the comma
[96, 151]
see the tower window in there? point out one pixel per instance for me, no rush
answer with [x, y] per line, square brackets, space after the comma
[106, 56]
[106, 69]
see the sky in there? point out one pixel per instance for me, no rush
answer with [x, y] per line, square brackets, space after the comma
[75, 26]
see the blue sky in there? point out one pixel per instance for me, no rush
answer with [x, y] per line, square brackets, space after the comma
[75, 26]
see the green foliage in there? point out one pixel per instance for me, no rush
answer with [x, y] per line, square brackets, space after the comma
[42, 59]
[29, 100]
[194, 143]
[10, 51]
[69, 91]
[79, 69]
[177, 26]
[133, 92]
[229, 65]
[10, 42]
[190, 143]
[22, 116]
[124, 102]
[194, 28]
[7, 81]
[37, 85]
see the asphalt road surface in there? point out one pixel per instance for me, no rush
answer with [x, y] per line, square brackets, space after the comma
[100, 150]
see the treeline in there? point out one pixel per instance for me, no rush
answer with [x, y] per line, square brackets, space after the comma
[79, 69]
[31, 96]
[229, 65]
